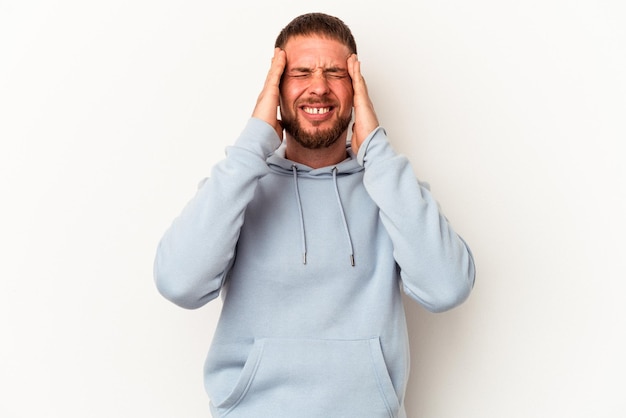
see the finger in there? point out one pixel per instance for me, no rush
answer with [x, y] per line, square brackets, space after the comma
[354, 69]
[276, 70]
[268, 99]
[352, 59]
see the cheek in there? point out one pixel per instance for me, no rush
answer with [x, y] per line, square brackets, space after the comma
[344, 93]
[289, 92]
[346, 97]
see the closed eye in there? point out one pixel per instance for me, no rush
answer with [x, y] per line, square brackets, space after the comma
[337, 75]
[330, 73]
[300, 72]
[335, 72]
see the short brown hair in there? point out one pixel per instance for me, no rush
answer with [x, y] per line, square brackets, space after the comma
[317, 24]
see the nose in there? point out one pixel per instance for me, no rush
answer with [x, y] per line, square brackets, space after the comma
[319, 83]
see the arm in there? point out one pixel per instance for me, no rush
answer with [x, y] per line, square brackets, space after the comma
[196, 252]
[437, 267]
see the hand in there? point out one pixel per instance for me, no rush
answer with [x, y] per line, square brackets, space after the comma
[365, 120]
[269, 99]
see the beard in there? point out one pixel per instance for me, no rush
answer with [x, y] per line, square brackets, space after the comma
[318, 138]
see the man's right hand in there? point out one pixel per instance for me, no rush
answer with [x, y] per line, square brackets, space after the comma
[269, 99]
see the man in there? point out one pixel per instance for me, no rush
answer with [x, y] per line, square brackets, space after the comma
[310, 241]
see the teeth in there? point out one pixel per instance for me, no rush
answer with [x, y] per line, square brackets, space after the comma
[317, 110]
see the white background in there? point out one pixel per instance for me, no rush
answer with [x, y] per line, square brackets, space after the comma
[112, 112]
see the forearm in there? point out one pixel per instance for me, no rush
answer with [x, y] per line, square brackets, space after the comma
[437, 267]
[196, 251]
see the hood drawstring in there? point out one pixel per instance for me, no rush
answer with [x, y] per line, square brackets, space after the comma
[303, 235]
[343, 217]
[294, 169]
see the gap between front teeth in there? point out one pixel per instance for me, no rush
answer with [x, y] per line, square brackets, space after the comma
[316, 110]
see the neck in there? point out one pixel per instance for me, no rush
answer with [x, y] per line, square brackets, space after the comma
[316, 158]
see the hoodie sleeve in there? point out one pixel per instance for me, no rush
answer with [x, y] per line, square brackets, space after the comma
[436, 266]
[196, 252]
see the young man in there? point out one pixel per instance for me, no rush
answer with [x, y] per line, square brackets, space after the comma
[310, 241]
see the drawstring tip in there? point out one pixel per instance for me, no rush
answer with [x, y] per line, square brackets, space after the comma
[303, 258]
[352, 259]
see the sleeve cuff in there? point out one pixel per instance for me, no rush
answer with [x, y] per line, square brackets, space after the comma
[258, 136]
[361, 156]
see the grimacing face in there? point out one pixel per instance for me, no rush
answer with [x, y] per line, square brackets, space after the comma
[316, 91]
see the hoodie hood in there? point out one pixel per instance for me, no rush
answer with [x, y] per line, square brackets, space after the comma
[278, 163]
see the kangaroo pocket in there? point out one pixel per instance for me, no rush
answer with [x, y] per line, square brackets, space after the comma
[312, 378]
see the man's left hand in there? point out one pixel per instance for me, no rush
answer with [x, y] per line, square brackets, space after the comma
[365, 120]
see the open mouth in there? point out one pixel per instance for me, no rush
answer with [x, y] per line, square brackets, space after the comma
[316, 110]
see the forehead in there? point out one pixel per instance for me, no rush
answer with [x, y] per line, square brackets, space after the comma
[315, 51]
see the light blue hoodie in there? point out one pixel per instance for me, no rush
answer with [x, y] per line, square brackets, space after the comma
[310, 264]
